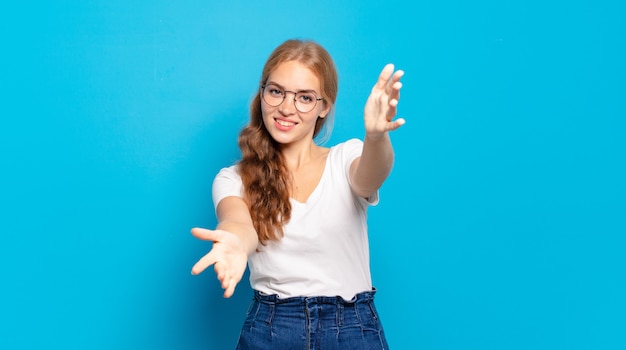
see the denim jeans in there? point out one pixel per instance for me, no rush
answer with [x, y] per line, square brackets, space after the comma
[318, 323]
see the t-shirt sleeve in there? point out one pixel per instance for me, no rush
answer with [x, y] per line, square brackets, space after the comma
[351, 150]
[227, 183]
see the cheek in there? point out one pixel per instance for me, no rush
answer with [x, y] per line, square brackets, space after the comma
[265, 114]
[266, 118]
[266, 111]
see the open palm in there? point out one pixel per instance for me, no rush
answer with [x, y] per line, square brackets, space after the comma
[381, 105]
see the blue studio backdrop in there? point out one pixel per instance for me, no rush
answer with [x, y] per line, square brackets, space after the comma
[502, 225]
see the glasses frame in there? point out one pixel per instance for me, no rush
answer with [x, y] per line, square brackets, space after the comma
[295, 95]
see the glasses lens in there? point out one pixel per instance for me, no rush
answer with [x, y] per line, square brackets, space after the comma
[305, 101]
[273, 95]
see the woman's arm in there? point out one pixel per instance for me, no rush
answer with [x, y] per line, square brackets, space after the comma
[233, 240]
[369, 171]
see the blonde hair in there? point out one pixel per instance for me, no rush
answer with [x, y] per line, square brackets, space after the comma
[265, 177]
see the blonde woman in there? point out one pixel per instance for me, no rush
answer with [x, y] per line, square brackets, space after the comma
[296, 212]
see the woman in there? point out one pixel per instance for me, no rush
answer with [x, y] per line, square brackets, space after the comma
[296, 212]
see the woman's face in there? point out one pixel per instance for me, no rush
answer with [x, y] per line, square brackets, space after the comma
[285, 122]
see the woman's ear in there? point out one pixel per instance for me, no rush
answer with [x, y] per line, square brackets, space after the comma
[325, 111]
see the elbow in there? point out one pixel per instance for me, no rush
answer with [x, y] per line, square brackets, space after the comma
[365, 191]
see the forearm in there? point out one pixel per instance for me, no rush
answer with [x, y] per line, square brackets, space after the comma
[233, 216]
[374, 165]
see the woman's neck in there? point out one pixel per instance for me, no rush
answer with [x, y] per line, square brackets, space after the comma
[298, 156]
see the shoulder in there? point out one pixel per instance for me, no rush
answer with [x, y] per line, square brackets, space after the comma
[351, 145]
[342, 155]
[348, 150]
[227, 183]
[229, 173]
[348, 144]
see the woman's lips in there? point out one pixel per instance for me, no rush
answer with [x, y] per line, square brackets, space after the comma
[284, 125]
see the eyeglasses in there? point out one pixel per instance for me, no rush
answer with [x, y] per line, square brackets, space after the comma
[274, 96]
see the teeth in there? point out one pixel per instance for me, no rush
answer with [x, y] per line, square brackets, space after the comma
[285, 123]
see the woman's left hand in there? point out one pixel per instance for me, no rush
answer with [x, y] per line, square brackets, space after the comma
[381, 106]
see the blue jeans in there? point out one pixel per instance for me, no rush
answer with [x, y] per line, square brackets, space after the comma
[312, 323]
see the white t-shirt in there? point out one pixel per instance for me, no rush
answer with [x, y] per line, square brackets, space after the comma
[324, 250]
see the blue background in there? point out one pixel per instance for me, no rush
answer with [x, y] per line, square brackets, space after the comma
[501, 227]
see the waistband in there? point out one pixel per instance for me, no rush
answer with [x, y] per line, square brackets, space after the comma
[334, 300]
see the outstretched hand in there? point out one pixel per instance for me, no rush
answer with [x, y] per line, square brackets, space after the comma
[228, 256]
[381, 106]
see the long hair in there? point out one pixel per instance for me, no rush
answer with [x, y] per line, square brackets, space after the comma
[265, 177]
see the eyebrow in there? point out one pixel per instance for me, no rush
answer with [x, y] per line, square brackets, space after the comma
[282, 87]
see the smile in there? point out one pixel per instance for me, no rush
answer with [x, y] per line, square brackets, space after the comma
[284, 123]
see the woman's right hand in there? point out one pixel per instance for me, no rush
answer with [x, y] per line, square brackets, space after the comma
[382, 103]
[228, 255]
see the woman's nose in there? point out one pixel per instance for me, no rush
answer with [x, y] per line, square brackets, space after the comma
[288, 105]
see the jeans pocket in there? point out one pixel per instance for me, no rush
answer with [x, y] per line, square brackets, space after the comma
[373, 310]
[251, 314]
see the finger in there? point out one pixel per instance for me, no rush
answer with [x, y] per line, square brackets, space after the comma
[394, 94]
[393, 125]
[225, 282]
[393, 80]
[203, 263]
[397, 75]
[392, 110]
[207, 235]
[220, 271]
[231, 289]
[383, 78]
